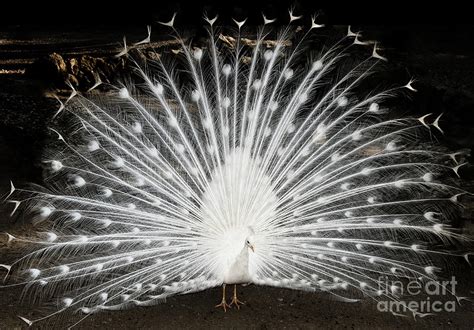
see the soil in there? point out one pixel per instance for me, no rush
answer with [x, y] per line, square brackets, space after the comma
[444, 69]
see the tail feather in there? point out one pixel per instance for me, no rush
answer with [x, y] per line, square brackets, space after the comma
[154, 176]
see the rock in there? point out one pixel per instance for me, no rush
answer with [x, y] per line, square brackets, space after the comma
[154, 56]
[73, 80]
[138, 55]
[231, 42]
[82, 72]
[52, 69]
[87, 69]
[93, 68]
[73, 66]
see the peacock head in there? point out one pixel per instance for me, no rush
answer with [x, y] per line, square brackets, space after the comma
[249, 243]
[249, 240]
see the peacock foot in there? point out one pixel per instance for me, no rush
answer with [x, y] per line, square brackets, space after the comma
[236, 302]
[224, 305]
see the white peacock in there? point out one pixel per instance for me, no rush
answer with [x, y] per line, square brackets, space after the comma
[232, 164]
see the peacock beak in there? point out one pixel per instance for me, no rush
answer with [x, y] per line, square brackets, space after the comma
[252, 248]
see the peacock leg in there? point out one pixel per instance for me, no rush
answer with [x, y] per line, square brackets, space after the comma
[223, 304]
[235, 300]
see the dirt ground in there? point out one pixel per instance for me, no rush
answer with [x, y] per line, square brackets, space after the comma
[265, 308]
[449, 85]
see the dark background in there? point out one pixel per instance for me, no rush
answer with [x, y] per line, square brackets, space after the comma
[432, 42]
[144, 12]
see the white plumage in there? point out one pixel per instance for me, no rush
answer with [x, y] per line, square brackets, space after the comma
[237, 165]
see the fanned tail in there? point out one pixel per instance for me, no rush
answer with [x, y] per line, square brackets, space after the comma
[150, 180]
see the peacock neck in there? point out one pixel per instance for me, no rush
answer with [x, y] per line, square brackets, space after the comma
[244, 254]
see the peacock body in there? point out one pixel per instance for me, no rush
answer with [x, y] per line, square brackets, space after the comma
[237, 164]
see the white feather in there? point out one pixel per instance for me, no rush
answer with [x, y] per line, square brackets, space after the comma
[170, 193]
